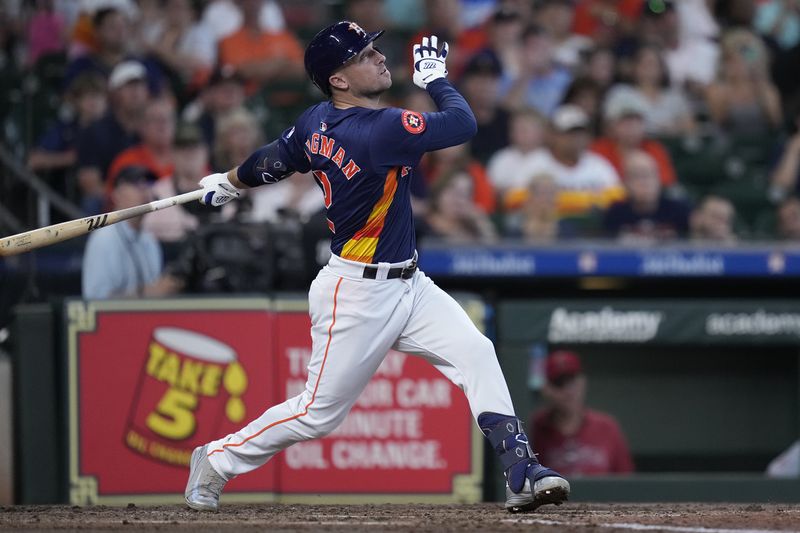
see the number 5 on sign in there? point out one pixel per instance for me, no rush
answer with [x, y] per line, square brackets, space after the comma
[174, 416]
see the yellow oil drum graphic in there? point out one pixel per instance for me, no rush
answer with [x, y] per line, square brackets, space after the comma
[189, 384]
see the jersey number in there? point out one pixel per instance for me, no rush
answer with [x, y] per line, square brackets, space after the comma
[325, 183]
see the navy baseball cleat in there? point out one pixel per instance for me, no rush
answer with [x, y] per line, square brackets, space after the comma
[205, 484]
[529, 485]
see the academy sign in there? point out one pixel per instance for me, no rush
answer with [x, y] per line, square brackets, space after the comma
[604, 325]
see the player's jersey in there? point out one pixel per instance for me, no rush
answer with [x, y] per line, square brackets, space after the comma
[363, 160]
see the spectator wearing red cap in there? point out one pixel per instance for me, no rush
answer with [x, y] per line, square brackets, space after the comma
[574, 438]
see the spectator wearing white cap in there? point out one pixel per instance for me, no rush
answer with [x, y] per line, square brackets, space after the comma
[103, 139]
[624, 113]
[586, 181]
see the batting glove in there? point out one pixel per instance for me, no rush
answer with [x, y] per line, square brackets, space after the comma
[217, 190]
[429, 61]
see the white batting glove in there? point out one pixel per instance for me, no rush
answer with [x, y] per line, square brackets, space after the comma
[429, 61]
[217, 190]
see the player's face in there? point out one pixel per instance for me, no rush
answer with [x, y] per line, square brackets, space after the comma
[367, 73]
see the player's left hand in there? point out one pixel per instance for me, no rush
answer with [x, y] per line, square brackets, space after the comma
[218, 190]
[429, 61]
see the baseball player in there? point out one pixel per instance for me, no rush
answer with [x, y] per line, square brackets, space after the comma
[371, 296]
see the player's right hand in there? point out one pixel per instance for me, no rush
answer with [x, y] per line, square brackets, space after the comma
[429, 61]
[217, 190]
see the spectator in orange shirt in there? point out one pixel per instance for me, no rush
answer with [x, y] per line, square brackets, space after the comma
[454, 216]
[625, 133]
[259, 56]
[437, 164]
[154, 153]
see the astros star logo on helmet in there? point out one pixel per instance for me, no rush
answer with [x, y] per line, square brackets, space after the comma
[356, 28]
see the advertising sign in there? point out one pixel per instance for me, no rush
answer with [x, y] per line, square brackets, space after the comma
[151, 380]
[755, 322]
[409, 432]
[151, 384]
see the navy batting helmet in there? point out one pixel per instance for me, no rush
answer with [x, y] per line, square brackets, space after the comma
[333, 47]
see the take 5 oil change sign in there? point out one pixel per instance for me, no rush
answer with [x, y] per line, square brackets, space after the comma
[152, 382]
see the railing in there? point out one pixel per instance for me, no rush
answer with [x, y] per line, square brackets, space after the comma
[46, 197]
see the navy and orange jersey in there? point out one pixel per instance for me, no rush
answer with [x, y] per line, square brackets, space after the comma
[363, 160]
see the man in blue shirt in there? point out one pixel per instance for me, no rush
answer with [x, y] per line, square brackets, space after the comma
[371, 297]
[121, 260]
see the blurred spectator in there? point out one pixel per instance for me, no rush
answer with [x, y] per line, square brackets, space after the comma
[691, 58]
[513, 167]
[223, 94]
[122, 260]
[712, 221]
[538, 219]
[184, 47]
[569, 435]
[260, 56]
[606, 21]
[113, 35]
[586, 181]
[785, 179]
[101, 141]
[46, 31]
[601, 67]
[735, 13]
[556, 17]
[84, 103]
[480, 86]
[504, 31]
[789, 219]
[80, 17]
[646, 215]
[443, 18]
[457, 158]
[696, 19]
[238, 135]
[299, 197]
[190, 157]
[667, 112]
[743, 100]
[541, 83]
[408, 15]
[587, 94]
[779, 22]
[624, 113]
[454, 216]
[154, 152]
[224, 17]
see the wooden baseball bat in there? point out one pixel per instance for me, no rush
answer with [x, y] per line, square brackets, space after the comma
[30, 240]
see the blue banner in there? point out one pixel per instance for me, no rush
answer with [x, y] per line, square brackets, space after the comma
[591, 259]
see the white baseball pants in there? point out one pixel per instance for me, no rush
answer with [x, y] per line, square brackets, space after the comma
[354, 323]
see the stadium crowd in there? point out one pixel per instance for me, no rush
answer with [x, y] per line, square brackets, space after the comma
[636, 120]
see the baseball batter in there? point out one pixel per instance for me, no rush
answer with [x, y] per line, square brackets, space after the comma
[370, 297]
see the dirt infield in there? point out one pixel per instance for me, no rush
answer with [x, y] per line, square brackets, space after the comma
[686, 518]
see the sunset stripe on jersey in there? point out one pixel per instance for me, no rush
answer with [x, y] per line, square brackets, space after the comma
[362, 246]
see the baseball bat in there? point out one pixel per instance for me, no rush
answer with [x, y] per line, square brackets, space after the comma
[30, 240]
